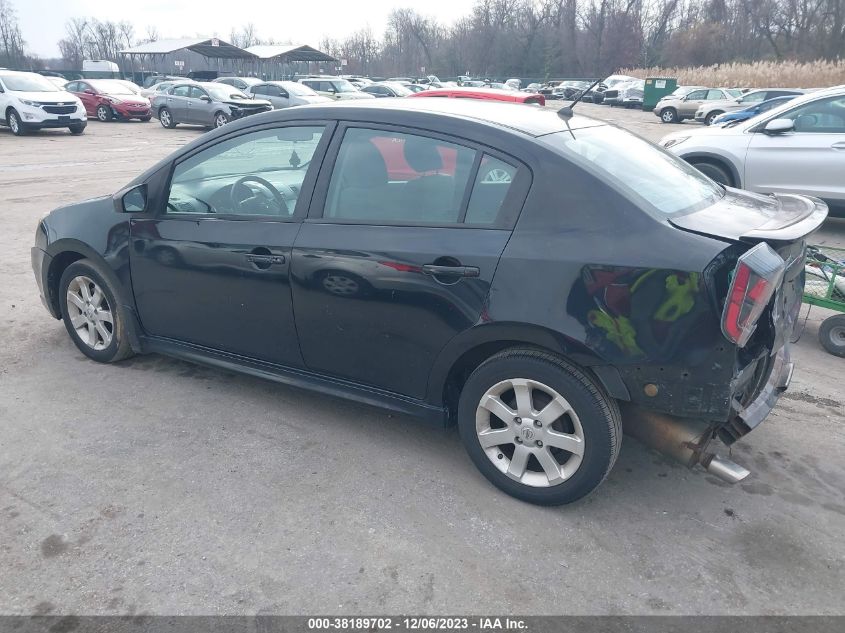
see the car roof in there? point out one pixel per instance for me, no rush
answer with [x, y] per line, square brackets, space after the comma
[515, 116]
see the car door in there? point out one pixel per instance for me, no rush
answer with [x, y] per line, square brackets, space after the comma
[689, 104]
[88, 96]
[177, 102]
[277, 96]
[810, 159]
[210, 265]
[398, 253]
[200, 108]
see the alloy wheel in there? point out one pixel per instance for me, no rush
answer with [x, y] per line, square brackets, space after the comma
[530, 432]
[497, 176]
[164, 117]
[102, 113]
[340, 285]
[14, 124]
[90, 313]
[220, 120]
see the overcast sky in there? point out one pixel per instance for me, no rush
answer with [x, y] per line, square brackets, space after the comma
[43, 21]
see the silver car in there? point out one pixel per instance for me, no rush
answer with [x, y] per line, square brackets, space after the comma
[685, 102]
[241, 83]
[284, 94]
[208, 104]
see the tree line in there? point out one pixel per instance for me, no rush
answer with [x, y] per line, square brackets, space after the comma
[526, 38]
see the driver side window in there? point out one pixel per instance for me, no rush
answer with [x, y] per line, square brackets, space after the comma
[256, 174]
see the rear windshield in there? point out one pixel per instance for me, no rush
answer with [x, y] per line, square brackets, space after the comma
[650, 176]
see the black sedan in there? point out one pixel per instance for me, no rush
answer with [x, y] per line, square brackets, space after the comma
[503, 268]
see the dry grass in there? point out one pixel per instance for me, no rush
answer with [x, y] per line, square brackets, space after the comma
[817, 74]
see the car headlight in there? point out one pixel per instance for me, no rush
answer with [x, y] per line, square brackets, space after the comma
[27, 102]
[671, 142]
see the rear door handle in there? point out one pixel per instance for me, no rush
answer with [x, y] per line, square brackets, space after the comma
[450, 271]
[838, 146]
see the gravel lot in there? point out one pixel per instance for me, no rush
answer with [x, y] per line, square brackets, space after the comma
[154, 486]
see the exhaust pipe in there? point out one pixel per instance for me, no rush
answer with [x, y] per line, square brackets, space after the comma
[683, 439]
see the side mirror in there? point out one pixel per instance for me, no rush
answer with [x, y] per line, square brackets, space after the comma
[779, 126]
[205, 98]
[88, 91]
[283, 94]
[133, 201]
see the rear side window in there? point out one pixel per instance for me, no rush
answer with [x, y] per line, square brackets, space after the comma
[389, 177]
[491, 186]
[715, 95]
[197, 93]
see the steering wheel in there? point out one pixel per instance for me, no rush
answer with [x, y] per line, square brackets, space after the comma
[264, 193]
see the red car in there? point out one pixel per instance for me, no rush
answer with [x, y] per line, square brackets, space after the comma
[490, 94]
[109, 99]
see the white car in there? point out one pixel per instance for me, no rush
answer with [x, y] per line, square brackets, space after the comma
[798, 147]
[334, 88]
[28, 101]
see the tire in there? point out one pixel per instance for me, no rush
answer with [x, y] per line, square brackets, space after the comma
[76, 130]
[15, 123]
[832, 335]
[715, 172]
[85, 314]
[166, 119]
[594, 427]
[104, 113]
[708, 120]
[220, 119]
[669, 115]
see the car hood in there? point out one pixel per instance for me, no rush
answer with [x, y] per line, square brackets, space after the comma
[742, 215]
[47, 97]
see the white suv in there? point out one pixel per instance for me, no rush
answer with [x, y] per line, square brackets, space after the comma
[28, 101]
[798, 147]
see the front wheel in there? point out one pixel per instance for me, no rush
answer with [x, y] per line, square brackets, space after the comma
[166, 119]
[708, 120]
[715, 172]
[91, 313]
[669, 115]
[220, 119]
[15, 123]
[103, 113]
[76, 130]
[538, 427]
[832, 334]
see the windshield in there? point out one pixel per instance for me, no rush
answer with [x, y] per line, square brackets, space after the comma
[683, 91]
[28, 83]
[734, 92]
[112, 87]
[652, 177]
[299, 90]
[344, 86]
[222, 92]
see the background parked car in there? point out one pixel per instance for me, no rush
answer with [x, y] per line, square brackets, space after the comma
[683, 103]
[152, 80]
[109, 99]
[418, 87]
[208, 104]
[628, 94]
[490, 94]
[711, 109]
[596, 95]
[28, 101]
[334, 88]
[59, 82]
[797, 147]
[568, 90]
[738, 116]
[162, 87]
[387, 89]
[241, 83]
[284, 94]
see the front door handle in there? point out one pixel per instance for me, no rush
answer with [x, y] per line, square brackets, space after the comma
[264, 261]
[450, 271]
[838, 146]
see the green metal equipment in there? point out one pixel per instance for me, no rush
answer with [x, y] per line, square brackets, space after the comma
[655, 89]
[825, 287]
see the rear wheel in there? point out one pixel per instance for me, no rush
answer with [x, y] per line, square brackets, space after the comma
[91, 313]
[714, 172]
[669, 115]
[832, 334]
[538, 427]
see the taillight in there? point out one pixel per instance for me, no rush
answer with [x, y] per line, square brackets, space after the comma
[757, 276]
